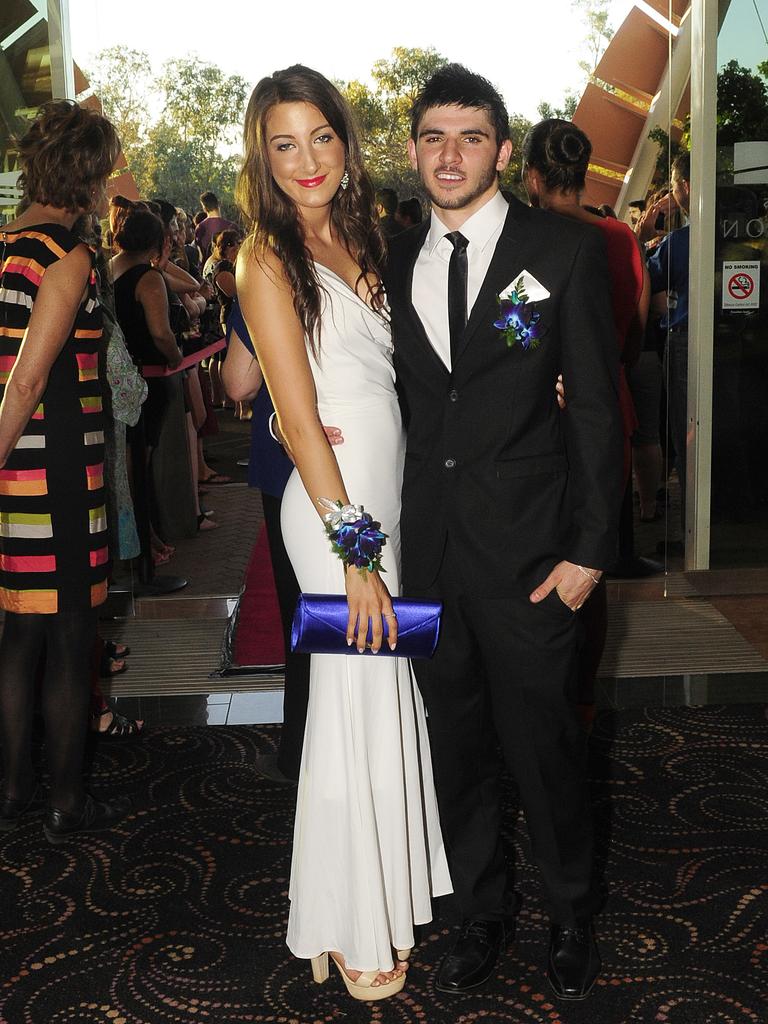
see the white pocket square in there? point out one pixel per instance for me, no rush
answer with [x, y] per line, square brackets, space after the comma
[534, 290]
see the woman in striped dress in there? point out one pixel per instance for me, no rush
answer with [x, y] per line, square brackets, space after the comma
[53, 540]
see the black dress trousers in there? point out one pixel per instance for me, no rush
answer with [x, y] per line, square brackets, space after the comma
[504, 672]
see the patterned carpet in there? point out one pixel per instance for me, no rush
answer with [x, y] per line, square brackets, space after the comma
[179, 915]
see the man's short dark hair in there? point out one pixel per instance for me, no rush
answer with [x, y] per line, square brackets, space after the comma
[681, 166]
[455, 85]
[638, 204]
[387, 197]
[209, 201]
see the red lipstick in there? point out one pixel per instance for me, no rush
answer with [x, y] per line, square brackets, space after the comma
[311, 182]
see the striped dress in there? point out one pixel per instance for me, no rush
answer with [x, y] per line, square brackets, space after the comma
[53, 527]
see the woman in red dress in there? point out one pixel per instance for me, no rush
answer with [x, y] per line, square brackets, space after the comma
[555, 160]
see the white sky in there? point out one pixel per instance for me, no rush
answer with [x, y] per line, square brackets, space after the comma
[530, 51]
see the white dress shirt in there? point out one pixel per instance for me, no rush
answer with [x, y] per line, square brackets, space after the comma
[430, 274]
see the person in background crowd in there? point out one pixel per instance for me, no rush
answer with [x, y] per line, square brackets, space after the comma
[54, 555]
[636, 208]
[188, 254]
[268, 469]
[219, 270]
[668, 267]
[123, 399]
[555, 160]
[186, 303]
[211, 225]
[386, 208]
[141, 308]
[409, 213]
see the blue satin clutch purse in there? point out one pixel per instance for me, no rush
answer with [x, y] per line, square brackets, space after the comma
[320, 627]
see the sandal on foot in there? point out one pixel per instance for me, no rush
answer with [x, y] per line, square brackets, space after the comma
[120, 728]
[215, 478]
[109, 666]
[115, 650]
[363, 988]
[203, 523]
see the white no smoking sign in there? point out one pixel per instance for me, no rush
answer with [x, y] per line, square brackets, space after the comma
[741, 285]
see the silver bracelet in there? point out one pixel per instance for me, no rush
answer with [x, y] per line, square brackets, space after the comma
[588, 574]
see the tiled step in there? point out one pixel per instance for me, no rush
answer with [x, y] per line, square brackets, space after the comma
[178, 656]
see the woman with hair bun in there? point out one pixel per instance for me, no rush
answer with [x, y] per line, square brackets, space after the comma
[555, 160]
[367, 853]
[54, 558]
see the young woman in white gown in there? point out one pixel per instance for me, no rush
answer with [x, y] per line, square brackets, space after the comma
[368, 853]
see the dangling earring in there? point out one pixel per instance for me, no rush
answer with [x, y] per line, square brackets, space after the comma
[345, 180]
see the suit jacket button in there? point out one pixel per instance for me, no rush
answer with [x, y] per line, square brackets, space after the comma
[449, 463]
[453, 395]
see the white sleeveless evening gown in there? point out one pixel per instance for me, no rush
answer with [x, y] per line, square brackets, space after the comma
[367, 851]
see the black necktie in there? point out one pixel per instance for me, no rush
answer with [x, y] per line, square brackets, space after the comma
[457, 289]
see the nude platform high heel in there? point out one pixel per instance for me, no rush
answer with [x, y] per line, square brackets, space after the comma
[363, 988]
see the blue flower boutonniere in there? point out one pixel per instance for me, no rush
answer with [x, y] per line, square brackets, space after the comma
[516, 322]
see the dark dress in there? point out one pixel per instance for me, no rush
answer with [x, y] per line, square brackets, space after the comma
[53, 527]
[139, 342]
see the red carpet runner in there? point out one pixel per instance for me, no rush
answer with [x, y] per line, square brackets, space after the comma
[259, 638]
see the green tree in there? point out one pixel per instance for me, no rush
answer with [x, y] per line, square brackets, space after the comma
[512, 178]
[668, 150]
[205, 103]
[545, 110]
[405, 75]
[595, 14]
[201, 118]
[187, 147]
[122, 80]
[383, 114]
[742, 104]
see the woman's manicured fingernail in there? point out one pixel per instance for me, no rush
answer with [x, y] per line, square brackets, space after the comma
[349, 641]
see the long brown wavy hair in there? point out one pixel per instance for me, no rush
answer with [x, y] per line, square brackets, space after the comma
[271, 216]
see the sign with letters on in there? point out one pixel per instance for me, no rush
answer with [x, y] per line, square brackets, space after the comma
[741, 285]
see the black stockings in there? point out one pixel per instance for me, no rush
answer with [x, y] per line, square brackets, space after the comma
[66, 641]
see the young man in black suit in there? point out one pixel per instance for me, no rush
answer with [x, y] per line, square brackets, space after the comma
[509, 512]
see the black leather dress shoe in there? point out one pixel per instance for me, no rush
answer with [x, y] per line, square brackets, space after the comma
[471, 959]
[13, 810]
[574, 962]
[95, 815]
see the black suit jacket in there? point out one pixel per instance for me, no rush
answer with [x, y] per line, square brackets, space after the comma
[492, 465]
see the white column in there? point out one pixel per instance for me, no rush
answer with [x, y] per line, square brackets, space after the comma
[62, 68]
[701, 309]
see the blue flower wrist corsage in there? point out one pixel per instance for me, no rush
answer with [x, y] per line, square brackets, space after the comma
[355, 536]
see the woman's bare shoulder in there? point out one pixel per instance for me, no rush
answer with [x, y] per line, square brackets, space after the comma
[263, 269]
